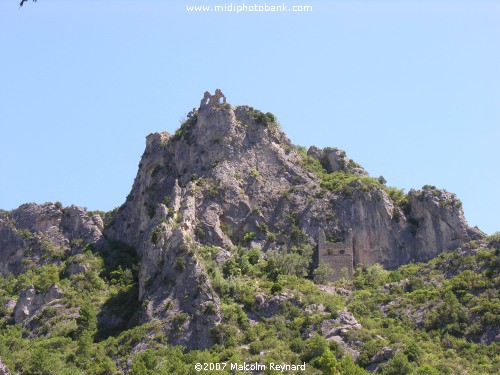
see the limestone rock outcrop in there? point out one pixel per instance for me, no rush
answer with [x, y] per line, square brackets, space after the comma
[230, 171]
[438, 222]
[230, 177]
[44, 232]
[30, 302]
[336, 160]
[337, 330]
[344, 323]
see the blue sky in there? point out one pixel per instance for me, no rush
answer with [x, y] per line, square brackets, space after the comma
[410, 89]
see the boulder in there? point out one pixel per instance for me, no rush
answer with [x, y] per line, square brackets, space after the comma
[30, 302]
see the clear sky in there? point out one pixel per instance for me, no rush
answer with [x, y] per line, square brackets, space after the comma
[410, 89]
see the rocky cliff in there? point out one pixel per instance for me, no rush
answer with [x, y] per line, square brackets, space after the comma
[44, 234]
[230, 177]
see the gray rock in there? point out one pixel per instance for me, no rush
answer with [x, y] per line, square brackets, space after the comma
[380, 358]
[337, 329]
[265, 307]
[340, 326]
[76, 265]
[10, 304]
[30, 302]
[334, 290]
[74, 269]
[45, 232]
[99, 223]
[336, 160]
[437, 223]
[3, 369]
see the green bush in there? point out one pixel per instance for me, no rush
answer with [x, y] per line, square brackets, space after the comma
[46, 276]
[296, 262]
[155, 235]
[262, 118]
[370, 348]
[277, 287]
[322, 273]
[248, 237]
[210, 309]
[254, 256]
[254, 173]
[231, 268]
[40, 362]
[314, 347]
[87, 319]
[398, 365]
[180, 264]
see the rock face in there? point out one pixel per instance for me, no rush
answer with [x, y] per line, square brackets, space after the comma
[337, 330]
[228, 177]
[439, 223]
[229, 171]
[383, 233]
[30, 302]
[336, 160]
[44, 232]
[344, 323]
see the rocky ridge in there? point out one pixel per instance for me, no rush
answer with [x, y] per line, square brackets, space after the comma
[230, 177]
[229, 174]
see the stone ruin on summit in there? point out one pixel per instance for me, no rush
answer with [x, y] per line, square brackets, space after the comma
[209, 101]
[213, 100]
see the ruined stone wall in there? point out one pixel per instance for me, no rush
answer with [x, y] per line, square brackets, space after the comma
[213, 100]
[337, 255]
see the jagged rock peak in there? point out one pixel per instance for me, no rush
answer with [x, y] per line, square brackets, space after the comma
[214, 133]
